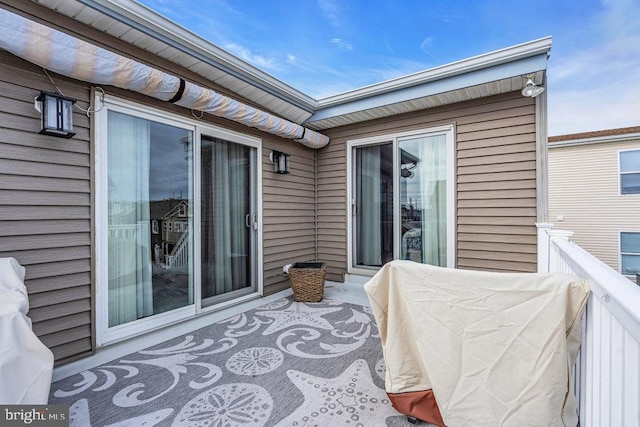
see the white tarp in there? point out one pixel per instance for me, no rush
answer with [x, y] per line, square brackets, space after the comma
[497, 349]
[72, 57]
[26, 365]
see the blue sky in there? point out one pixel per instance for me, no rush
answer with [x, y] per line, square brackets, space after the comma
[323, 47]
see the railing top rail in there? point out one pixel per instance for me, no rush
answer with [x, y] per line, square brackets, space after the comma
[618, 294]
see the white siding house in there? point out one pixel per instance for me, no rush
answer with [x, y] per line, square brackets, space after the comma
[594, 190]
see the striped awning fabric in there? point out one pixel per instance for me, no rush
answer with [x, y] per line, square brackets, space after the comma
[69, 56]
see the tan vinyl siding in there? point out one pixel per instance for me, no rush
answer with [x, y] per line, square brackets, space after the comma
[332, 226]
[46, 194]
[289, 217]
[495, 182]
[45, 206]
[496, 188]
[584, 188]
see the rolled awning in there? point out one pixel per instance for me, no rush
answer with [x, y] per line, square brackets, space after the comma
[75, 58]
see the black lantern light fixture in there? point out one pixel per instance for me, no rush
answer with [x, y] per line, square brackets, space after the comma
[280, 162]
[57, 114]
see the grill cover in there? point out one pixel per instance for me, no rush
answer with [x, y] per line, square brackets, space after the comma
[479, 348]
[26, 365]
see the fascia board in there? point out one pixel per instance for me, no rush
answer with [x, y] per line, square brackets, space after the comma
[493, 73]
[596, 140]
[157, 26]
[490, 59]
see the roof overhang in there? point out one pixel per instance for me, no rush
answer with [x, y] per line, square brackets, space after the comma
[144, 28]
[490, 74]
[582, 139]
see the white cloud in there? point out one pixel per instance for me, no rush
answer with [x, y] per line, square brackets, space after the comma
[595, 87]
[388, 46]
[331, 11]
[327, 80]
[245, 54]
[426, 43]
[299, 64]
[341, 44]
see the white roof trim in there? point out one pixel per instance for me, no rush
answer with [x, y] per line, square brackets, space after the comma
[596, 140]
[472, 73]
[492, 71]
[475, 63]
[156, 25]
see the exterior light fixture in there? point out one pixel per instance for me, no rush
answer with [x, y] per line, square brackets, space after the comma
[531, 89]
[57, 114]
[280, 162]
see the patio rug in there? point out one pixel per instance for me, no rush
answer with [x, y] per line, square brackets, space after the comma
[283, 364]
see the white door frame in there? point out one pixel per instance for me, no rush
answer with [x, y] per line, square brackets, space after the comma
[107, 335]
[394, 138]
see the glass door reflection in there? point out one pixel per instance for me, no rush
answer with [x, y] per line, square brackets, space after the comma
[228, 220]
[423, 199]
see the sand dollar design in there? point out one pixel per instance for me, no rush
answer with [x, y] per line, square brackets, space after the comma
[227, 405]
[255, 361]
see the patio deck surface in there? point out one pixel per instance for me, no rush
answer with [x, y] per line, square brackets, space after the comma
[279, 363]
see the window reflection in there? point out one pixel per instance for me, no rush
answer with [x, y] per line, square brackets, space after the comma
[149, 181]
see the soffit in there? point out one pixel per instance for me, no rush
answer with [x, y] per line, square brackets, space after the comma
[147, 30]
[486, 75]
[493, 73]
[420, 102]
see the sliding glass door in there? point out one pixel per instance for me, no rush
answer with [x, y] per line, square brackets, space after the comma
[149, 199]
[177, 218]
[402, 199]
[423, 199]
[228, 220]
[373, 209]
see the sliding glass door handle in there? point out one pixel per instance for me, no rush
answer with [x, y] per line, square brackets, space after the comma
[250, 221]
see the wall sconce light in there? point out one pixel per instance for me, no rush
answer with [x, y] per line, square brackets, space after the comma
[531, 89]
[57, 114]
[280, 162]
[407, 172]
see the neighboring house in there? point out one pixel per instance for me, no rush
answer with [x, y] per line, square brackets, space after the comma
[594, 191]
[445, 166]
[169, 225]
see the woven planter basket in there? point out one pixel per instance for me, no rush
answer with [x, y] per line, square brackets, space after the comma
[307, 281]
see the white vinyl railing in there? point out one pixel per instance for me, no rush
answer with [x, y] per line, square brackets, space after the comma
[179, 257]
[138, 232]
[607, 372]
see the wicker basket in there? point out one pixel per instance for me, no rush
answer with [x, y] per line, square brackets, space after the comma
[307, 281]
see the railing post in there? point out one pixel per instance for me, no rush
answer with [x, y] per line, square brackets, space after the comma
[544, 246]
[555, 261]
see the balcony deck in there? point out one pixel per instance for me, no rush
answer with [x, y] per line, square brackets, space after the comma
[607, 371]
[306, 363]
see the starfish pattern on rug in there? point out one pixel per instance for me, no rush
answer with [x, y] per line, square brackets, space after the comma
[298, 314]
[259, 378]
[351, 398]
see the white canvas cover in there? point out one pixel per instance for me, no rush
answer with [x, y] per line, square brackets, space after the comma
[26, 365]
[496, 349]
[72, 57]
